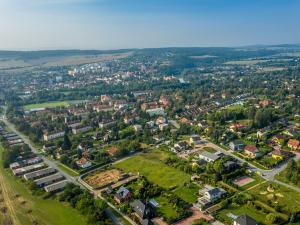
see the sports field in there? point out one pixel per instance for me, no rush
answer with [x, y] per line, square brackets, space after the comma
[51, 104]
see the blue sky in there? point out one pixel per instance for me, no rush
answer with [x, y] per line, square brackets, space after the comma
[113, 24]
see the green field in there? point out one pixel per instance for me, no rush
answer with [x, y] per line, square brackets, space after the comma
[68, 170]
[237, 211]
[52, 104]
[285, 198]
[26, 208]
[151, 166]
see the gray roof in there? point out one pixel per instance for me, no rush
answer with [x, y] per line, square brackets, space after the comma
[245, 220]
[51, 178]
[56, 186]
[210, 155]
[39, 173]
[122, 193]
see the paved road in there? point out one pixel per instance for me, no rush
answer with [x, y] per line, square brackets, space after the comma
[46, 160]
[54, 165]
[266, 174]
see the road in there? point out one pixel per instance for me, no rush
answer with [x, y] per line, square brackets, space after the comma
[268, 175]
[54, 165]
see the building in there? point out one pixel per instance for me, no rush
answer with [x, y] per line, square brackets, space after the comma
[279, 154]
[40, 173]
[293, 144]
[26, 162]
[237, 145]
[208, 157]
[137, 127]
[195, 140]
[251, 151]
[156, 112]
[49, 137]
[245, 220]
[45, 181]
[83, 163]
[209, 196]
[214, 194]
[107, 123]
[142, 210]
[81, 129]
[163, 126]
[27, 169]
[59, 186]
[122, 195]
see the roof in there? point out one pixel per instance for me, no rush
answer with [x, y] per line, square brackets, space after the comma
[209, 155]
[245, 220]
[251, 148]
[39, 173]
[113, 150]
[56, 186]
[293, 142]
[122, 193]
[139, 207]
[53, 177]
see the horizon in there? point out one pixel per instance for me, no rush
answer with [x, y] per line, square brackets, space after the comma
[124, 24]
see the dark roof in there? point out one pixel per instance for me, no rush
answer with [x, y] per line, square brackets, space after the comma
[122, 193]
[143, 210]
[245, 220]
[146, 222]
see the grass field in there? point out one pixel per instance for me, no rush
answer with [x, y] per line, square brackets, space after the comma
[151, 166]
[237, 211]
[286, 198]
[68, 170]
[52, 104]
[24, 208]
[247, 62]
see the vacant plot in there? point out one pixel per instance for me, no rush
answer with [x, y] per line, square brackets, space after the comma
[102, 178]
[284, 197]
[26, 209]
[151, 166]
[242, 181]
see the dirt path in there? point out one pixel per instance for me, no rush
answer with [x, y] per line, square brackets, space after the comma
[8, 201]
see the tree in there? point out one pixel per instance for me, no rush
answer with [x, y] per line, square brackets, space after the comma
[66, 145]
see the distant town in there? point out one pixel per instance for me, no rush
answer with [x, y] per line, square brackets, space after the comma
[181, 136]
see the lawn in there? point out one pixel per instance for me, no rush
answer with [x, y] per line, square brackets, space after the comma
[46, 104]
[237, 211]
[165, 208]
[284, 197]
[151, 166]
[52, 104]
[68, 170]
[44, 211]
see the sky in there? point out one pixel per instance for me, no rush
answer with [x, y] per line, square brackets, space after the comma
[115, 24]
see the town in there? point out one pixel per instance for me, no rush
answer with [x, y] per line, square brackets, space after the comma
[168, 136]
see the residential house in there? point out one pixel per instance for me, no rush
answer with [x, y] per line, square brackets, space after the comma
[160, 120]
[237, 145]
[208, 157]
[137, 127]
[122, 195]
[56, 186]
[236, 127]
[294, 144]
[83, 163]
[156, 112]
[107, 123]
[278, 139]
[181, 146]
[230, 166]
[142, 210]
[113, 151]
[279, 154]
[264, 103]
[163, 126]
[245, 220]
[49, 137]
[81, 129]
[164, 101]
[251, 151]
[195, 140]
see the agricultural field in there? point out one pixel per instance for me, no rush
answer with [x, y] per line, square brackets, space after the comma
[23, 208]
[152, 167]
